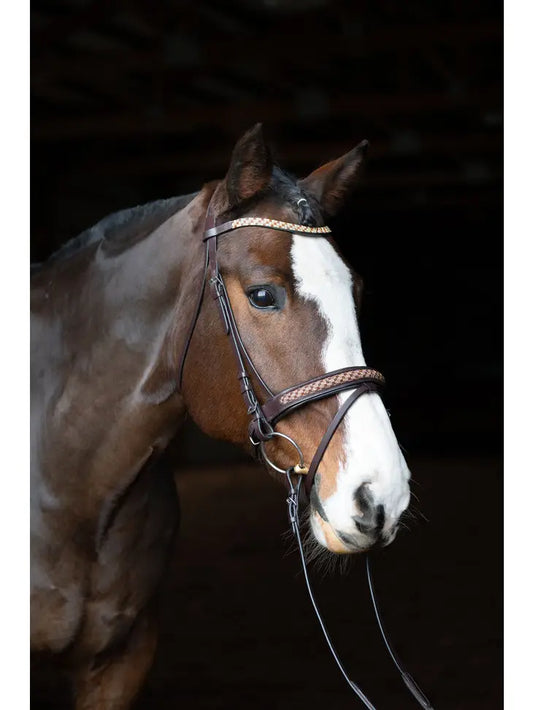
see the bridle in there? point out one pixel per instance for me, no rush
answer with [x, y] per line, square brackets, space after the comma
[266, 414]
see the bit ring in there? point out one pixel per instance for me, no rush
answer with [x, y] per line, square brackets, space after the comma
[300, 467]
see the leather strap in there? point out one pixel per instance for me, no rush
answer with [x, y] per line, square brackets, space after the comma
[193, 322]
[208, 222]
[265, 222]
[332, 428]
[319, 387]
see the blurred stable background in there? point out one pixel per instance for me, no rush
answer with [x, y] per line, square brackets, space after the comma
[134, 101]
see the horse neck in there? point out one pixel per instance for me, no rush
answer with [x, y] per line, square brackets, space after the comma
[103, 358]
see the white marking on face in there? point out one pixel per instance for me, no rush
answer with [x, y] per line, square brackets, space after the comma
[371, 452]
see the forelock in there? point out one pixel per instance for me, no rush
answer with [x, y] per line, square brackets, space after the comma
[286, 188]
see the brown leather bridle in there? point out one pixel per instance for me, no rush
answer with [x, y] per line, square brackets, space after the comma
[265, 415]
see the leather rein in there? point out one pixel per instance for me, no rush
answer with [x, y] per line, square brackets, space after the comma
[265, 415]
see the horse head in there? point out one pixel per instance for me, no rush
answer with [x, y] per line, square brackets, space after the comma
[295, 303]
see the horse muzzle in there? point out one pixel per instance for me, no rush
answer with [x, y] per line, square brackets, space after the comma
[368, 527]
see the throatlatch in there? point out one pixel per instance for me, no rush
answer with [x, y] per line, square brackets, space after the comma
[265, 415]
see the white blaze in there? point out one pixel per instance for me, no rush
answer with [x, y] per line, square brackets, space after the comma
[371, 452]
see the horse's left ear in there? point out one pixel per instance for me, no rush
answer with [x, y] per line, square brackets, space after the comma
[332, 183]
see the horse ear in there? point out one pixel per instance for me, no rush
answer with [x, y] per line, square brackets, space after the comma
[250, 167]
[332, 182]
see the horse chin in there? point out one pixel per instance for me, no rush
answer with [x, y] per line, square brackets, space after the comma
[337, 542]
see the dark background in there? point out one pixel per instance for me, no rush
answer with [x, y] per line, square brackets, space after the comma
[134, 101]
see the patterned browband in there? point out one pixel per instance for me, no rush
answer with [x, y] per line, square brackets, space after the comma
[264, 222]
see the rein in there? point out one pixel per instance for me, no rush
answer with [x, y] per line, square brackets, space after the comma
[265, 415]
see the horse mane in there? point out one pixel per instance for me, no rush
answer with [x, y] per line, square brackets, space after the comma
[120, 230]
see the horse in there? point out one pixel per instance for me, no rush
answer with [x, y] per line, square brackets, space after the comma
[126, 342]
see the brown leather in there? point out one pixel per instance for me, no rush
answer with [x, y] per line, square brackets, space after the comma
[317, 388]
[263, 416]
[265, 223]
[367, 386]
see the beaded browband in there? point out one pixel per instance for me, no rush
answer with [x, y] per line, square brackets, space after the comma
[264, 222]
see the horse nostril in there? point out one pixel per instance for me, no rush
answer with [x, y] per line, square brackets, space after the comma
[380, 517]
[371, 518]
[364, 501]
[364, 528]
[373, 524]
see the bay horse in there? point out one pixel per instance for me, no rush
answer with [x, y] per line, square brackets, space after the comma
[116, 368]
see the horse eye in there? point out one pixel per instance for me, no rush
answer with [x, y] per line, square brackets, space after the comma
[262, 297]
